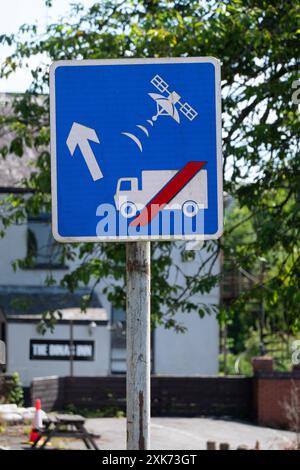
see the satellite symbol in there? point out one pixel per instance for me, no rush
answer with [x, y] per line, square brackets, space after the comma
[167, 105]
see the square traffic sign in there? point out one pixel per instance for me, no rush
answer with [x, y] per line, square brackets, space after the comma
[136, 149]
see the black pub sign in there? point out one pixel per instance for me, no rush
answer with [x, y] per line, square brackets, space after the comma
[60, 350]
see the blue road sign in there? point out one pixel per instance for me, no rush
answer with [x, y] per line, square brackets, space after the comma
[136, 149]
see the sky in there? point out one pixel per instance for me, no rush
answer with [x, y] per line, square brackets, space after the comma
[15, 13]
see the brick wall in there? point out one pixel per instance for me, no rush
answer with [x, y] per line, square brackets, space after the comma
[272, 391]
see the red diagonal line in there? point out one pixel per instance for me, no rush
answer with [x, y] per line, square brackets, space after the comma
[167, 193]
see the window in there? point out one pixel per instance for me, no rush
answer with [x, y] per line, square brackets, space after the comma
[42, 249]
[118, 321]
[118, 341]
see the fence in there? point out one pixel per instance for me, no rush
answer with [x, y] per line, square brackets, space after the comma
[260, 398]
[170, 396]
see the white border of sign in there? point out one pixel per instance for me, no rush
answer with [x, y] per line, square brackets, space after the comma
[177, 60]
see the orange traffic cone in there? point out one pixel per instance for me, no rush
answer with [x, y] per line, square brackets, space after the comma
[37, 422]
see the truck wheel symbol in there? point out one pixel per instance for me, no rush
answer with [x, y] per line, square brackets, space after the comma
[128, 209]
[190, 208]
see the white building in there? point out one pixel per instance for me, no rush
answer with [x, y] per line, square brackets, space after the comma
[36, 355]
[98, 333]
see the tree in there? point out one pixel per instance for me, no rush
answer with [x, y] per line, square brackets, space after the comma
[257, 42]
[258, 307]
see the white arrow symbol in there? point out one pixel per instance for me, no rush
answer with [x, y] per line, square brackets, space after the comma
[80, 135]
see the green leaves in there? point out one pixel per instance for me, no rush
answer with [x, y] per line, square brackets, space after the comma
[257, 42]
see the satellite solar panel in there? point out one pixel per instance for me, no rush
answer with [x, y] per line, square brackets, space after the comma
[188, 111]
[159, 83]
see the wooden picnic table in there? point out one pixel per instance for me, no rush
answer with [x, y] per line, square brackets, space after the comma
[63, 425]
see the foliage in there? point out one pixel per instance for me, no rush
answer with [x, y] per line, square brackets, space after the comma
[14, 391]
[111, 411]
[240, 363]
[262, 302]
[291, 408]
[2, 428]
[258, 44]
[235, 365]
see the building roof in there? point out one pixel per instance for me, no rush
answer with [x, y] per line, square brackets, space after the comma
[29, 303]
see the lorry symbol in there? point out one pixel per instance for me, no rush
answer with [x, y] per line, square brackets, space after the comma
[129, 198]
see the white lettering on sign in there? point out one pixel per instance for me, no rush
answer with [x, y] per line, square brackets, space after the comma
[40, 349]
[84, 350]
[59, 350]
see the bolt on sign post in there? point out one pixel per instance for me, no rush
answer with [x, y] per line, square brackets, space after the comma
[136, 157]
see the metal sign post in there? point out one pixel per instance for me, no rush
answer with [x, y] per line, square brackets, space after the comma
[138, 261]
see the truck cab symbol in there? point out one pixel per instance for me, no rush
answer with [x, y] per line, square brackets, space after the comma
[130, 200]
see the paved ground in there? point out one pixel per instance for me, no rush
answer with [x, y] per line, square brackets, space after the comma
[191, 433]
[172, 433]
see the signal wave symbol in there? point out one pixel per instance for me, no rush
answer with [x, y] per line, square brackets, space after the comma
[167, 104]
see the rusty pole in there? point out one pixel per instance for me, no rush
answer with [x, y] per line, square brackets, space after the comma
[138, 344]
